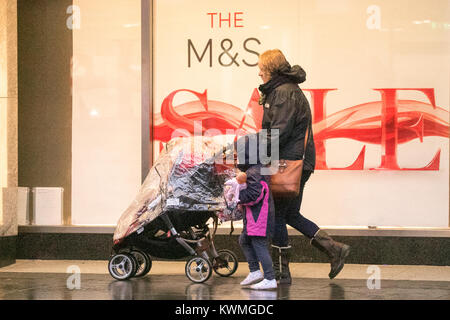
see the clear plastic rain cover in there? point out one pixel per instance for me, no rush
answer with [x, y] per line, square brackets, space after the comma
[189, 175]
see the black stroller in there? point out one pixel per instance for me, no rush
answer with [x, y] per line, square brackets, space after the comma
[169, 218]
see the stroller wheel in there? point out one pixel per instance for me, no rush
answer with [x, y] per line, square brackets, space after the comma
[226, 263]
[122, 266]
[144, 263]
[198, 269]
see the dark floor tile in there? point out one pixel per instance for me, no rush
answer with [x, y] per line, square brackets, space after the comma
[32, 286]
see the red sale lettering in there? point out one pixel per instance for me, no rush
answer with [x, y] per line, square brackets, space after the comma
[387, 123]
[318, 102]
[389, 130]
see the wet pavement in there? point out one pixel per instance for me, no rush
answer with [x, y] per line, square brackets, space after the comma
[60, 286]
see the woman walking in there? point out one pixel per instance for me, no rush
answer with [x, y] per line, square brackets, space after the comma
[287, 110]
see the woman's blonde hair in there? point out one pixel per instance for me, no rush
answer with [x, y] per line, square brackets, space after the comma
[272, 61]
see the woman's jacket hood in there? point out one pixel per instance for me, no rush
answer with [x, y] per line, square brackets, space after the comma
[296, 73]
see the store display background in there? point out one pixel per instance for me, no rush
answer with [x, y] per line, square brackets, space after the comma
[331, 42]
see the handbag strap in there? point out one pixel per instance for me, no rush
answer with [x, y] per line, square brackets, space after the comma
[283, 164]
[306, 141]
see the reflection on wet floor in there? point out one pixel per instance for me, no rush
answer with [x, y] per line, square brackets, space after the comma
[33, 286]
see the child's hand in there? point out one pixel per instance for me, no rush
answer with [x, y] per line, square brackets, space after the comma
[241, 178]
[235, 185]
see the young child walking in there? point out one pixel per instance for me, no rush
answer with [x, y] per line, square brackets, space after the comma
[259, 215]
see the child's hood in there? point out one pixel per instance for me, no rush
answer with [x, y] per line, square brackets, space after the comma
[247, 152]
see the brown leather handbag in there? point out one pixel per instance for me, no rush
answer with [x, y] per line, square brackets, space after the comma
[285, 183]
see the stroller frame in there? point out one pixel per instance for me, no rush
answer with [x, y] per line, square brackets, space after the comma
[131, 260]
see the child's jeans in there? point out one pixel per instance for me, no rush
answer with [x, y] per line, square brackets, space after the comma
[256, 250]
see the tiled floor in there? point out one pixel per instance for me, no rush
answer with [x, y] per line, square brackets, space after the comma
[44, 279]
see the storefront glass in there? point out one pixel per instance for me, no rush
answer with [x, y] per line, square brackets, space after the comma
[377, 81]
[106, 126]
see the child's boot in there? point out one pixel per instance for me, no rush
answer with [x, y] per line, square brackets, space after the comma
[280, 260]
